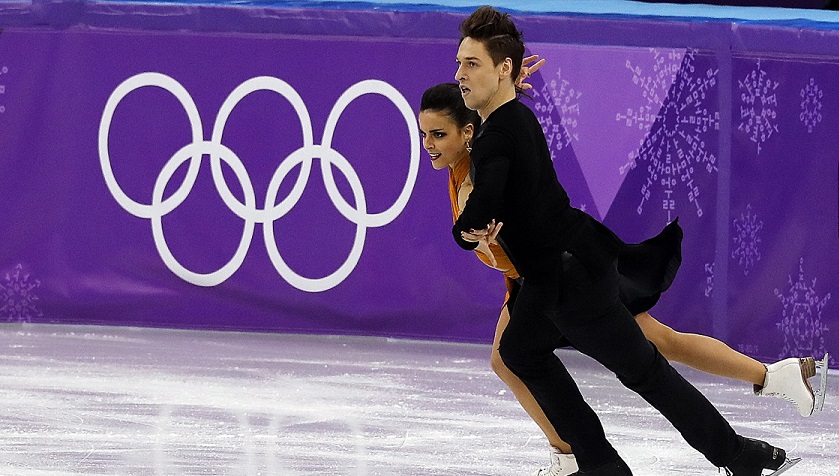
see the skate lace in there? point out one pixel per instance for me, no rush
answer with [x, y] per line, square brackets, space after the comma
[792, 400]
[552, 470]
[785, 397]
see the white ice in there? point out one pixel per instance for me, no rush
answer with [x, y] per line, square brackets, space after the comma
[82, 400]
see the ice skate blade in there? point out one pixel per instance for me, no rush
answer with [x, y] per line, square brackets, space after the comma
[822, 364]
[789, 463]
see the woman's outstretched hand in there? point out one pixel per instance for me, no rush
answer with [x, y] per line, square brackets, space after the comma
[527, 70]
[484, 238]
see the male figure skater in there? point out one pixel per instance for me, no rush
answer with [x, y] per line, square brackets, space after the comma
[568, 261]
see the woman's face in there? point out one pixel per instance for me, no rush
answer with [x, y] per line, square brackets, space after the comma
[444, 141]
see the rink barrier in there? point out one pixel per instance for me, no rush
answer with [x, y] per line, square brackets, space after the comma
[312, 208]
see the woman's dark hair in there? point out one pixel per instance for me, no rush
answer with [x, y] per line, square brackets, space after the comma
[499, 35]
[446, 98]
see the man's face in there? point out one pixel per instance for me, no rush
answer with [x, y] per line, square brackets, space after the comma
[478, 77]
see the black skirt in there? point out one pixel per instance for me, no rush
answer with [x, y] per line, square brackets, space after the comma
[646, 269]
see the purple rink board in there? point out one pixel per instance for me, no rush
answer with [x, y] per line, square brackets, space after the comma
[313, 209]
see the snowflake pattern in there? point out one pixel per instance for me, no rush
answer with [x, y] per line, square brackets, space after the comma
[811, 105]
[558, 95]
[677, 122]
[654, 91]
[802, 324]
[758, 114]
[18, 300]
[3, 70]
[747, 240]
[709, 279]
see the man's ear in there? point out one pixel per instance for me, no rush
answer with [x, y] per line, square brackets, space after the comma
[507, 68]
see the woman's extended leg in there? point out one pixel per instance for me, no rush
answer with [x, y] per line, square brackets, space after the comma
[786, 379]
[701, 352]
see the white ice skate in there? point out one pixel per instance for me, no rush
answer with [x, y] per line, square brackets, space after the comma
[788, 379]
[561, 465]
[822, 391]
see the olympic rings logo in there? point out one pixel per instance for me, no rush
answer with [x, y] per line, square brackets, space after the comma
[247, 211]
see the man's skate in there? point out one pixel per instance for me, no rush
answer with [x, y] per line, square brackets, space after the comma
[758, 456]
[788, 379]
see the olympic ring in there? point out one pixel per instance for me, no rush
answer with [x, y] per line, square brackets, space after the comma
[193, 152]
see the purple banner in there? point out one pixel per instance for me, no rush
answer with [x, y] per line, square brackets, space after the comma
[783, 223]
[275, 182]
[635, 138]
[229, 182]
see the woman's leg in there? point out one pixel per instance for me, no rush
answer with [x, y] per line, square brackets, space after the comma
[701, 352]
[786, 379]
[521, 392]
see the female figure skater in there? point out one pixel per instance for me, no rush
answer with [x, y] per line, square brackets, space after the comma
[447, 127]
[569, 263]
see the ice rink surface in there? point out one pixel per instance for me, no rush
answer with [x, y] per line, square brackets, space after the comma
[129, 401]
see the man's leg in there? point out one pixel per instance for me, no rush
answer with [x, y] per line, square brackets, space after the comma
[596, 322]
[527, 348]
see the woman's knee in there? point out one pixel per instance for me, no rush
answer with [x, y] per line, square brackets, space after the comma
[501, 357]
[507, 359]
[499, 367]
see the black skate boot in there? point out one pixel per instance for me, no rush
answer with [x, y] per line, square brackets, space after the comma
[757, 456]
[615, 468]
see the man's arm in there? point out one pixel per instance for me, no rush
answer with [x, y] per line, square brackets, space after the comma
[492, 166]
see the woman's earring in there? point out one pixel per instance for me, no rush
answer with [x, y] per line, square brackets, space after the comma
[468, 147]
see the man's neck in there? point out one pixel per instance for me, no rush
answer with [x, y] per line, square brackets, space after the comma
[503, 96]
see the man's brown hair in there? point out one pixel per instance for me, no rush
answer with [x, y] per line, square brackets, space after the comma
[498, 34]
